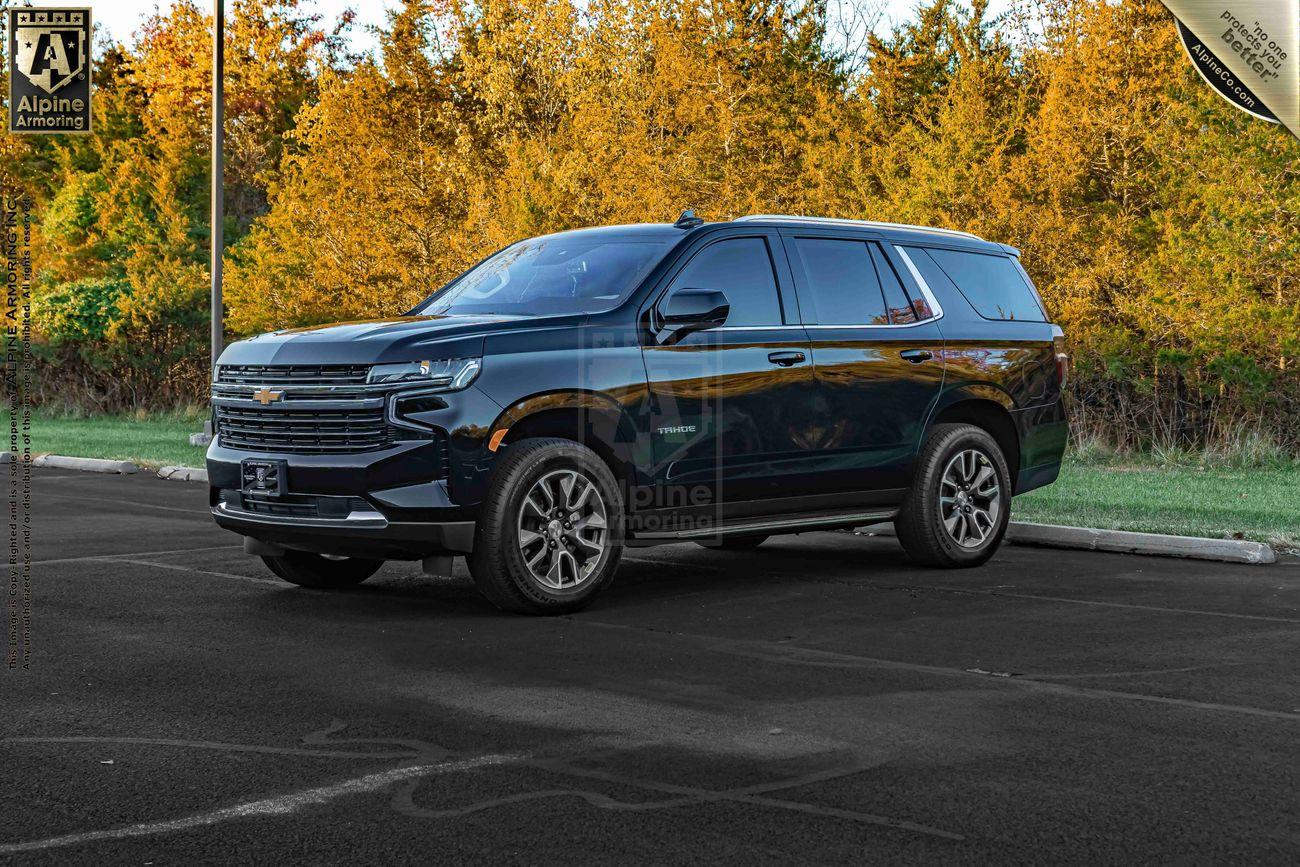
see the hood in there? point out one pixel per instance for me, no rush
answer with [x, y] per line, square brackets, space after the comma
[374, 341]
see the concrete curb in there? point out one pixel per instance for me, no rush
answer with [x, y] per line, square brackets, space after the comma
[1126, 542]
[96, 465]
[89, 465]
[184, 474]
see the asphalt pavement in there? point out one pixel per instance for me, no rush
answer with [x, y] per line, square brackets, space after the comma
[817, 700]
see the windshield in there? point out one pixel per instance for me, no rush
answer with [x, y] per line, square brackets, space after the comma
[550, 275]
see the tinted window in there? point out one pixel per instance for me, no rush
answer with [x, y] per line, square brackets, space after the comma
[569, 273]
[742, 268]
[842, 285]
[991, 284]
[932, 274]
[900, 306]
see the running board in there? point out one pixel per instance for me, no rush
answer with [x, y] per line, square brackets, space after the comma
[768, 525]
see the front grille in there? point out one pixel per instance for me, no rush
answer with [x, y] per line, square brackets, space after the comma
[296, 382]
[289, 510]
[304, 431]
[297, 506]
[293, 374]
[304, 409]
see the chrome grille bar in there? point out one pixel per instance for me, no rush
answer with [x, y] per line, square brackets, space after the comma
[300, 409]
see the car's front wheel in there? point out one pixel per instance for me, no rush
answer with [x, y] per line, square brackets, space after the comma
[320, 572]
[957, 509]
[550, 533]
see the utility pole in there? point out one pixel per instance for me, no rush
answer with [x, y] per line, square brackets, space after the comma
[218, 172]
[218, 196]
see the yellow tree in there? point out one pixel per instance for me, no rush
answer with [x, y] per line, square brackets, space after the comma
[123, 260]
[370, 194]
[1162, 223]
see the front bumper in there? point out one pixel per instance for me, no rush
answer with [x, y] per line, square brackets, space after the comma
[393, 503]
[359, 534]
[416, 497]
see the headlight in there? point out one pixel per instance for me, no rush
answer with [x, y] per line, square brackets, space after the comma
[449, 373]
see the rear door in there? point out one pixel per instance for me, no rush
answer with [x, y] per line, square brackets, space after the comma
[877, 354]
[1004, 336]
[730, 406]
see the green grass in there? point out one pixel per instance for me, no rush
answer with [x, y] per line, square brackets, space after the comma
[1257, 503]
[1174, 495]
[154, 441]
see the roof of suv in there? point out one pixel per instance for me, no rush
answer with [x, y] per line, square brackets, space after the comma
[896, 232]
[901, 232]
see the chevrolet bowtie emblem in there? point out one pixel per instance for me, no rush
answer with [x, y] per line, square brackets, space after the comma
[265, 396]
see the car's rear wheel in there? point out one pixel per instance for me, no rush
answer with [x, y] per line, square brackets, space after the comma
[735, 543]
[320, 572]
[957, 510]
[550, 533]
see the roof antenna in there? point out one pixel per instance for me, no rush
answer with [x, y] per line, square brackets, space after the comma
[688, 220]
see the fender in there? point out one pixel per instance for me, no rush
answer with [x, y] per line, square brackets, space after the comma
[1008, 429]
[579, 399]
[966, 391]
[971, 391]
[614, 425]
[957, 394]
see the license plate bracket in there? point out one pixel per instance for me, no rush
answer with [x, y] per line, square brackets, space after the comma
[264, 477]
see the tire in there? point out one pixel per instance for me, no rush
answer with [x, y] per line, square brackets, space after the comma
[530, 556]
[735, 543]
[322, 573]
[948, 518]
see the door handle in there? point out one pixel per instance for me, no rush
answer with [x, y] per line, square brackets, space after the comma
[916, 356]
[786, 359]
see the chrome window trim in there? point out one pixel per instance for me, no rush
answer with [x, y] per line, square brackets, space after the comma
[759, 328]
[868, 325]
[935, 307]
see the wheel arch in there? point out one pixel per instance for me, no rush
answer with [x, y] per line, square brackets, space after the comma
[989, 409]
[591, 418]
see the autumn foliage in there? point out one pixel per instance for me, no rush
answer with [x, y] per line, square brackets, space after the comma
[1162, 226]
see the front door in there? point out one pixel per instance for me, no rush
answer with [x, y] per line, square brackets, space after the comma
[878, 354]
[730, 405]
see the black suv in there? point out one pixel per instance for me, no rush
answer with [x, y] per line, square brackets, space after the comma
[583, 392]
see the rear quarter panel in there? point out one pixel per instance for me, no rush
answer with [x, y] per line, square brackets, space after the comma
[1012, 363]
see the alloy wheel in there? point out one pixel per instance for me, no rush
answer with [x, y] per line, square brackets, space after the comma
[563, 529]
[970, 498]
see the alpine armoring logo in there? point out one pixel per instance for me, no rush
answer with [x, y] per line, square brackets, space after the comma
[49, 55]
[1248, 51]
[1218, 76]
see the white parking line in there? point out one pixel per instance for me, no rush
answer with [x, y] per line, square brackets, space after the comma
[216, 746]
[272, 581]
[89, 557]
[279, 806]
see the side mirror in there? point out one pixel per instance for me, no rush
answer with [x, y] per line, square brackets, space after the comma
[695, 309]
